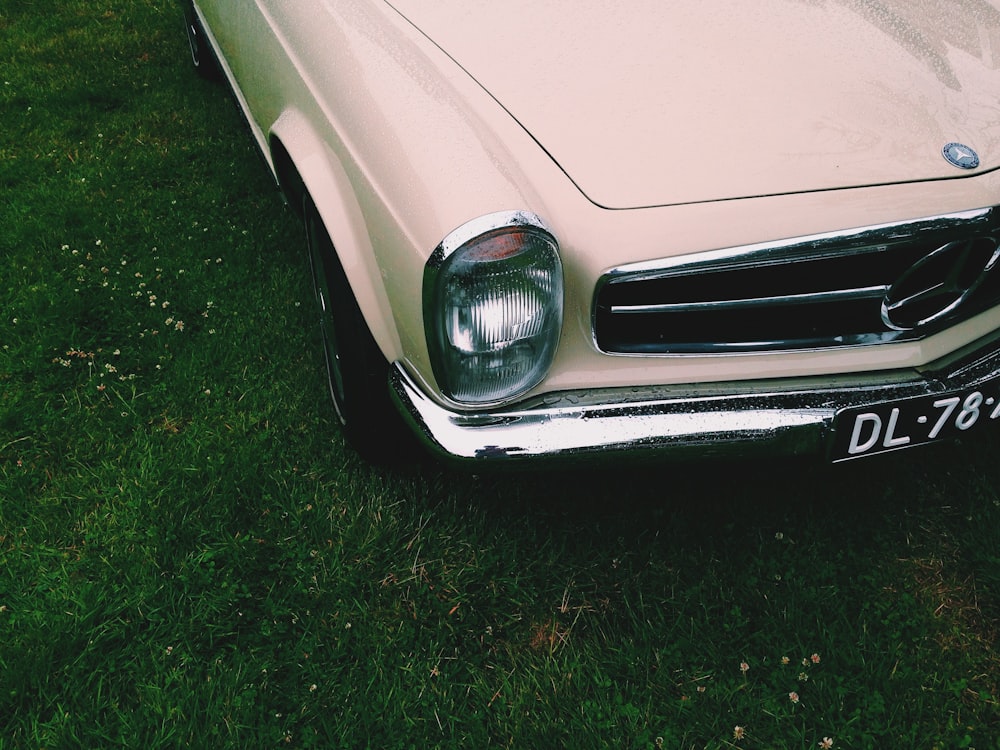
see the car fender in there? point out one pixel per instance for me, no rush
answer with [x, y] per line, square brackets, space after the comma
[304, 164]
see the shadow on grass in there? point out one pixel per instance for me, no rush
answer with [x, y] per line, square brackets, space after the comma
[716, 497]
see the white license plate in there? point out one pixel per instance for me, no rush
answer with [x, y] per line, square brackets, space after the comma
[893, 425]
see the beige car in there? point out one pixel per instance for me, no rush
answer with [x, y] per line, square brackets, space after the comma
[563, 230]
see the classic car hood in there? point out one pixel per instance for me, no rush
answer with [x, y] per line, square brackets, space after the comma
[652, 103]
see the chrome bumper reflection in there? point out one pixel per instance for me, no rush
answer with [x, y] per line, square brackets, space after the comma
[770, 418]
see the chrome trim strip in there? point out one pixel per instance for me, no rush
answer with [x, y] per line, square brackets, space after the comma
[790, 417]
[843, 295]
[850, 241]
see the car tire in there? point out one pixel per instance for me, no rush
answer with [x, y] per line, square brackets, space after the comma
[202, 55]
[357, 372]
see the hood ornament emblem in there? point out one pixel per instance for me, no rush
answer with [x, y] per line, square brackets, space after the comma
[960, 155]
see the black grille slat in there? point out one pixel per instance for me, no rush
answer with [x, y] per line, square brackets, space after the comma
[638, 333]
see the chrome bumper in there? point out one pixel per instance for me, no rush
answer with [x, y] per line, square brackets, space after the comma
[782, 417]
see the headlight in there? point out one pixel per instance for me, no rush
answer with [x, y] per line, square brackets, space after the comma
[493, 305]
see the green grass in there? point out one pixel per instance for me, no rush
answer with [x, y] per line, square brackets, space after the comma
[190, 556]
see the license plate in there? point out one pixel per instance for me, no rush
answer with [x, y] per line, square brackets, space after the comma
[893, 425]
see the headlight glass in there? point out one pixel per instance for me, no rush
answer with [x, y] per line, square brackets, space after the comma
[493, 304]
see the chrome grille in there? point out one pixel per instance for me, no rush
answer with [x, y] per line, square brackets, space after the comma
[866, 286]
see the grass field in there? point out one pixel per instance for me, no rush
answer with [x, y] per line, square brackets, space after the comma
[190, 556]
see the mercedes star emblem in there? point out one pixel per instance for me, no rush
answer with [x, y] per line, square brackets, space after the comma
[961, 156]
[937, 284]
